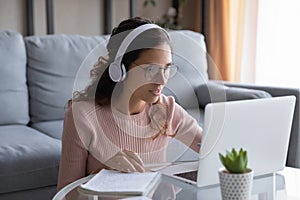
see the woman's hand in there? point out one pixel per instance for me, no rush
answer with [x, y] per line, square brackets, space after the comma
[126, 161]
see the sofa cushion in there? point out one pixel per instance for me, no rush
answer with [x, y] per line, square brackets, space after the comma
[13, 88]
[42, 193]
[50, 128]
[53, 62]
[189, 53]
[189, 48]
[28, 158]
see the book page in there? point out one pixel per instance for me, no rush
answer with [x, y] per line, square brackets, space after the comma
[113, 181]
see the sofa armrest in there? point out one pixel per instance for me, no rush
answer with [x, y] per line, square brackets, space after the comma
[217, 92]
[293, 159]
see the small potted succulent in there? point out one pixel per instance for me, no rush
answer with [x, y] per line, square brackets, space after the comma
[235, 179]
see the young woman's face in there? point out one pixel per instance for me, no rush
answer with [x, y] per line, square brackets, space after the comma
[144, 84]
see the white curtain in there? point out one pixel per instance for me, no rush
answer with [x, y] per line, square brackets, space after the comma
[248, 55]
[242, 40]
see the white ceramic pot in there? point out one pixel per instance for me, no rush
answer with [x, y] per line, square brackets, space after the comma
[235, 186]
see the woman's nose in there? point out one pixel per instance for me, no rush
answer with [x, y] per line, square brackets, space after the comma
[161, 78]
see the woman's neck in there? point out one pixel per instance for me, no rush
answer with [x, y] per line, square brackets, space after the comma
[136, 107]
[129, 105]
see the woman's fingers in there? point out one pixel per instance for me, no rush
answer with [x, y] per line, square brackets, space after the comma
[135, 160]
[119, 162]
[126, 161]
[125, 165]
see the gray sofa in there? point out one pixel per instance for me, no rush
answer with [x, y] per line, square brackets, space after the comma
[38, 74]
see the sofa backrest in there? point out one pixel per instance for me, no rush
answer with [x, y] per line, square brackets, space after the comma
[52, 63]
[13, 88]
[189, 53]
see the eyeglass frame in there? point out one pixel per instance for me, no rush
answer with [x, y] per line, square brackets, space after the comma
[166, 67]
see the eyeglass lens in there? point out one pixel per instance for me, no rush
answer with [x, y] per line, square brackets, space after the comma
[153, 70]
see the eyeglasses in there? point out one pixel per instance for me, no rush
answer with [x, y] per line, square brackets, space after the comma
[153, 70]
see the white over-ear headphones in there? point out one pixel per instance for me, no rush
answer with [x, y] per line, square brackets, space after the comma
[117, 71]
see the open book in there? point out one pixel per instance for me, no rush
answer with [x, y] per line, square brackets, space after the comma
[110, 182]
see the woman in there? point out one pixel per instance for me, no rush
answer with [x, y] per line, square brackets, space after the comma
[122, 120]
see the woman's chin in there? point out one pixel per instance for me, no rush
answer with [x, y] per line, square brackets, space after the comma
[153, 99]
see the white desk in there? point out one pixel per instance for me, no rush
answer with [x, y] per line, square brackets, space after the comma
[292, 184]
[285, 185]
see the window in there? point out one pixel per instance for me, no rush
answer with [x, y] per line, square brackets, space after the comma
[278, 43]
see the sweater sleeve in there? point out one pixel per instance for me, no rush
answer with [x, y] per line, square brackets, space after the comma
[74, 152]
[185, 127]
[189, 132]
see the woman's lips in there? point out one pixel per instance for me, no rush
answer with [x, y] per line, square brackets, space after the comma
[156, 92]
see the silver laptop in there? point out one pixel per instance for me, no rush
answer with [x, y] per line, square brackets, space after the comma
[260, 126]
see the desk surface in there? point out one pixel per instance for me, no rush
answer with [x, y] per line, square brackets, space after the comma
[282, 186]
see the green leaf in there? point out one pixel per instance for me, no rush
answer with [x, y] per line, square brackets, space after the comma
[235, 162]
[222, 158]
[229, 155]
[183, 1]
[145, 3]
[234, 153]
[153, 3]
[239, 165]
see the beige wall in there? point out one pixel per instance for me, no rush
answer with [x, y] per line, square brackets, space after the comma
[39, 17]
[78, 16]
[13, 15]
[120, 11]
[83, 17]
[70, 17]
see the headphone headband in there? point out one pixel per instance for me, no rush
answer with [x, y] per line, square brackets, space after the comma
[117, 71]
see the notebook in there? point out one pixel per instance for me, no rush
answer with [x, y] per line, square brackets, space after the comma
[260, 126]
[114, 183]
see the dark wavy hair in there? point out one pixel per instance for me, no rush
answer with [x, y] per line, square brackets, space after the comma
[101, 87]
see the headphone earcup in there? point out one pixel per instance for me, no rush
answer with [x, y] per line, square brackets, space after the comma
[115, 72]
[123, 72]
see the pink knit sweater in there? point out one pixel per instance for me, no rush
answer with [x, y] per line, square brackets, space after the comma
[93, 134]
